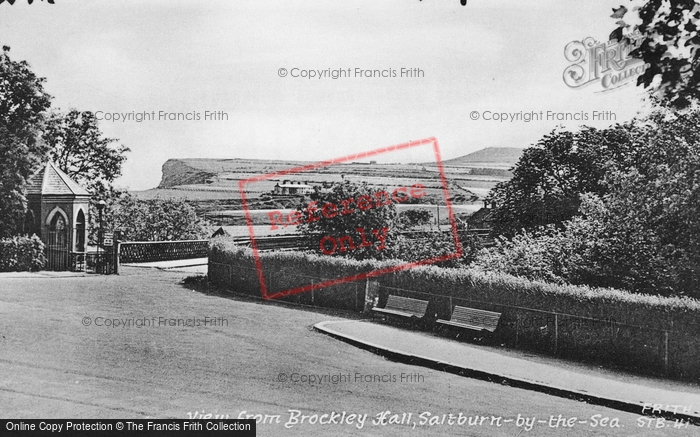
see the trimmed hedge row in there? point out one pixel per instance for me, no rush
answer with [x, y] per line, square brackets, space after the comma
[21, 253]
[650, 334]
[232, 265]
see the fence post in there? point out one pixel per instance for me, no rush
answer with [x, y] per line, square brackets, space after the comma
[556, 333]
[117, 248]
[666, 352]
[356, 292]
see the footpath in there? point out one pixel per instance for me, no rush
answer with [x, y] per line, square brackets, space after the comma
[634, 394]
[191, 265]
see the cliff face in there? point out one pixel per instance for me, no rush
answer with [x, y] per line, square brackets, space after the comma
[179, 172]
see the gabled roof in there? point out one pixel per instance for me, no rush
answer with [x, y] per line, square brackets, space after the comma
[51, 180]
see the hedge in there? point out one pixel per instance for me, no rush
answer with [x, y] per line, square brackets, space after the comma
[232, 265]
[21, 253]
[646, 333]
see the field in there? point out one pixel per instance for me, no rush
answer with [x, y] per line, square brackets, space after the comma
[212, 185]
[53, 364]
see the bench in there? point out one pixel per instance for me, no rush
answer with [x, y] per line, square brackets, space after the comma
[404, 306]
[470, 318]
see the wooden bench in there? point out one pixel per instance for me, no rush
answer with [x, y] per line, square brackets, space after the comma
[404, 306]
[470, 318]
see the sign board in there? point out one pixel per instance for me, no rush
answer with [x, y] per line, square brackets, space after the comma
[108, 239]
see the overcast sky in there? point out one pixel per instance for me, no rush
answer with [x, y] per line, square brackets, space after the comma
[191, 56]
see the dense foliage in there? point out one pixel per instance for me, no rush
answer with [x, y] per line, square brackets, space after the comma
[324, 228]
[640, 231]
[376, 230]
[670, 43]
[30, 136]
[21, 254]
[154, 220]
[550, 177]
[23, 105]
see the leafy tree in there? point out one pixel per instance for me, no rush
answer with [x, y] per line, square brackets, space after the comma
[78, 147]
[652, 222]
[413, 218]
[23, 103]
[154, 220]
[566, 254]
[670, 43]
[364, 233]
[374, 218]
[642, 235]
[550, 177]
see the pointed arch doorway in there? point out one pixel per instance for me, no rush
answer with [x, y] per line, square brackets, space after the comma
[58, 243]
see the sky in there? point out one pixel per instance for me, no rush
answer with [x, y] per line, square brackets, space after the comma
[186, 56]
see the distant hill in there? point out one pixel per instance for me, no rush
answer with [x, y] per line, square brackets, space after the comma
[200, 170]
[499, 156]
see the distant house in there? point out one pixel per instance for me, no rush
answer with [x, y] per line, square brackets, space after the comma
[482, 218]
[292, 188]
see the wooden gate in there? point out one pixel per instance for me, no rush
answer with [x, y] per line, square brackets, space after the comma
[58, 245]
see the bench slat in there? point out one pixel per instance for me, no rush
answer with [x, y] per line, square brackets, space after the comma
[472, 318]
[404, 306]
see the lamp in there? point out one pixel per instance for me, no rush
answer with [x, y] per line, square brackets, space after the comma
[100, 206]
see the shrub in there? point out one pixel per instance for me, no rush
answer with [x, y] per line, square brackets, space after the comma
[21, 253]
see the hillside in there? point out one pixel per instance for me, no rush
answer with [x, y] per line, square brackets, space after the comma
[195, 171]
[500, 156]
[214, 183]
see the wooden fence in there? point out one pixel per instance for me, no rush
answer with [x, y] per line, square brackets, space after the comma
[150, 251]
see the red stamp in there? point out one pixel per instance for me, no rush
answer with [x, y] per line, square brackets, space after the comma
[314, 211]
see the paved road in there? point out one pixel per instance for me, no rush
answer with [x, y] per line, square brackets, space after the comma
[251, 356]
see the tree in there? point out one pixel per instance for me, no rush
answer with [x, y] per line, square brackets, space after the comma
[78, 147]
[23, 103]
[413, 218]
[373, 230]
[366, 232]
[652, 223]
[550, 177]
[154, 220]
[670, 43]
[642, 234]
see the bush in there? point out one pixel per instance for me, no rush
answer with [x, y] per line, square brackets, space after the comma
[233, 266]
[21, 253]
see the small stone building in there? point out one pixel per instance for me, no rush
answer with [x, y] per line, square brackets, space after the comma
[292, 188]
[482, 218]
[58, 213]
